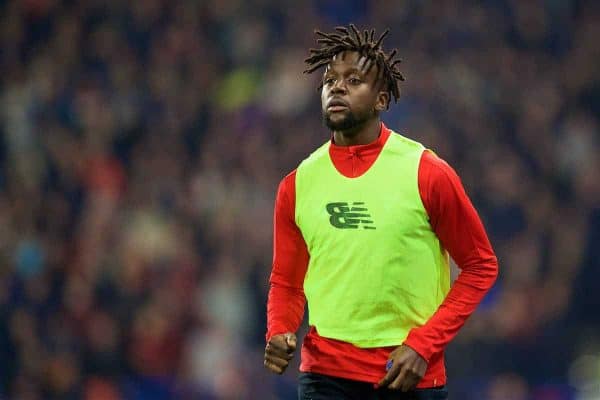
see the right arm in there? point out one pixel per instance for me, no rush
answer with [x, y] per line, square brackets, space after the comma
[285, 306]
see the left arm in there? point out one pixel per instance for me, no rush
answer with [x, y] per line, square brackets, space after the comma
[459, 229]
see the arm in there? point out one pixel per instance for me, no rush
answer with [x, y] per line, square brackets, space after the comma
[456, 223]
[459, 228]
[285, 305]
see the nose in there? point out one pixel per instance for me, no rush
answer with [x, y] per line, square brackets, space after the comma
[339, 87]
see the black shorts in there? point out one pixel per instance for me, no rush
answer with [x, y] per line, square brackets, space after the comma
[321, 387]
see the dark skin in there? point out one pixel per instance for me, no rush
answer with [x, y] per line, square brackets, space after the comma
[352, 98]
[279, 351]
[408, 368]
[346, 79]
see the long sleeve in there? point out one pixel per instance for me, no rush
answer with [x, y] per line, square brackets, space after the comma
[459, 228]
[285, 306]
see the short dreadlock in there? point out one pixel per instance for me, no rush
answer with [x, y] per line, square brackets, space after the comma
[353, 40]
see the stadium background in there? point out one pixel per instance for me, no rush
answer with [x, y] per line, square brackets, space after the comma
[142, 143]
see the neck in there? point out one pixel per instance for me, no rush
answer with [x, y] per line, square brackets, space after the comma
[364, 133]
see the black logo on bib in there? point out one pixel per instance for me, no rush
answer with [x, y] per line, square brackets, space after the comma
[344, 216]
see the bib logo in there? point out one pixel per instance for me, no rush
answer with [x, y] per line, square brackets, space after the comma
[344, 216]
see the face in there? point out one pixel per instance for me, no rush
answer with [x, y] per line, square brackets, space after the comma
[351, 95]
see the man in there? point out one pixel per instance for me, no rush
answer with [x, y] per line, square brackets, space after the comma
[363, 228]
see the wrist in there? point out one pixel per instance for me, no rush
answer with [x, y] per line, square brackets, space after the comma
[418, 345]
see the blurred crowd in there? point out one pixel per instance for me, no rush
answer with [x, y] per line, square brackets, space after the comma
[142, 144]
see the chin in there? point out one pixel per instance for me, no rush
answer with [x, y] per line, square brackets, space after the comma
[339, 122]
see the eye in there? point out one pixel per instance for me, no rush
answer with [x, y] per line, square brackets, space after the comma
[328, 81]
[354, 81]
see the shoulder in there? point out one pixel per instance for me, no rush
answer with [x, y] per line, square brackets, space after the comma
[438, 181]
[288, 182]
[286, 192]
[316, 156]
[436, 167]
[291, 177]
[314, 159]
[401, 144]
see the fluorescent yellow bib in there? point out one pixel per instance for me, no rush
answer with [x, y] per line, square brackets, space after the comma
[376, 268]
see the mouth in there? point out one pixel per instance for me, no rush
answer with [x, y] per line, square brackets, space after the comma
[334, 109]
[337, 105]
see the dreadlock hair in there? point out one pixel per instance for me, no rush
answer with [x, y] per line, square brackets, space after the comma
[364, 43]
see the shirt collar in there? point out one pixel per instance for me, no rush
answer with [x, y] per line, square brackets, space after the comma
[359, 149]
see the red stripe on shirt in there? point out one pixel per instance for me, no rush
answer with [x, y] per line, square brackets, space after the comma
[455, 222]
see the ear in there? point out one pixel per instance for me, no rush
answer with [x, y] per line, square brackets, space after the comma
[382, 102]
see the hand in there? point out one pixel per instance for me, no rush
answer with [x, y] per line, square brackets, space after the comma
[279, 351]
[408, 368]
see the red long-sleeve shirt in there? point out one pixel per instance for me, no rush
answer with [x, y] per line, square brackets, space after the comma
[452, 218]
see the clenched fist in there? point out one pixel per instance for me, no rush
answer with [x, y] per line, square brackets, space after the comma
[279, 351]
